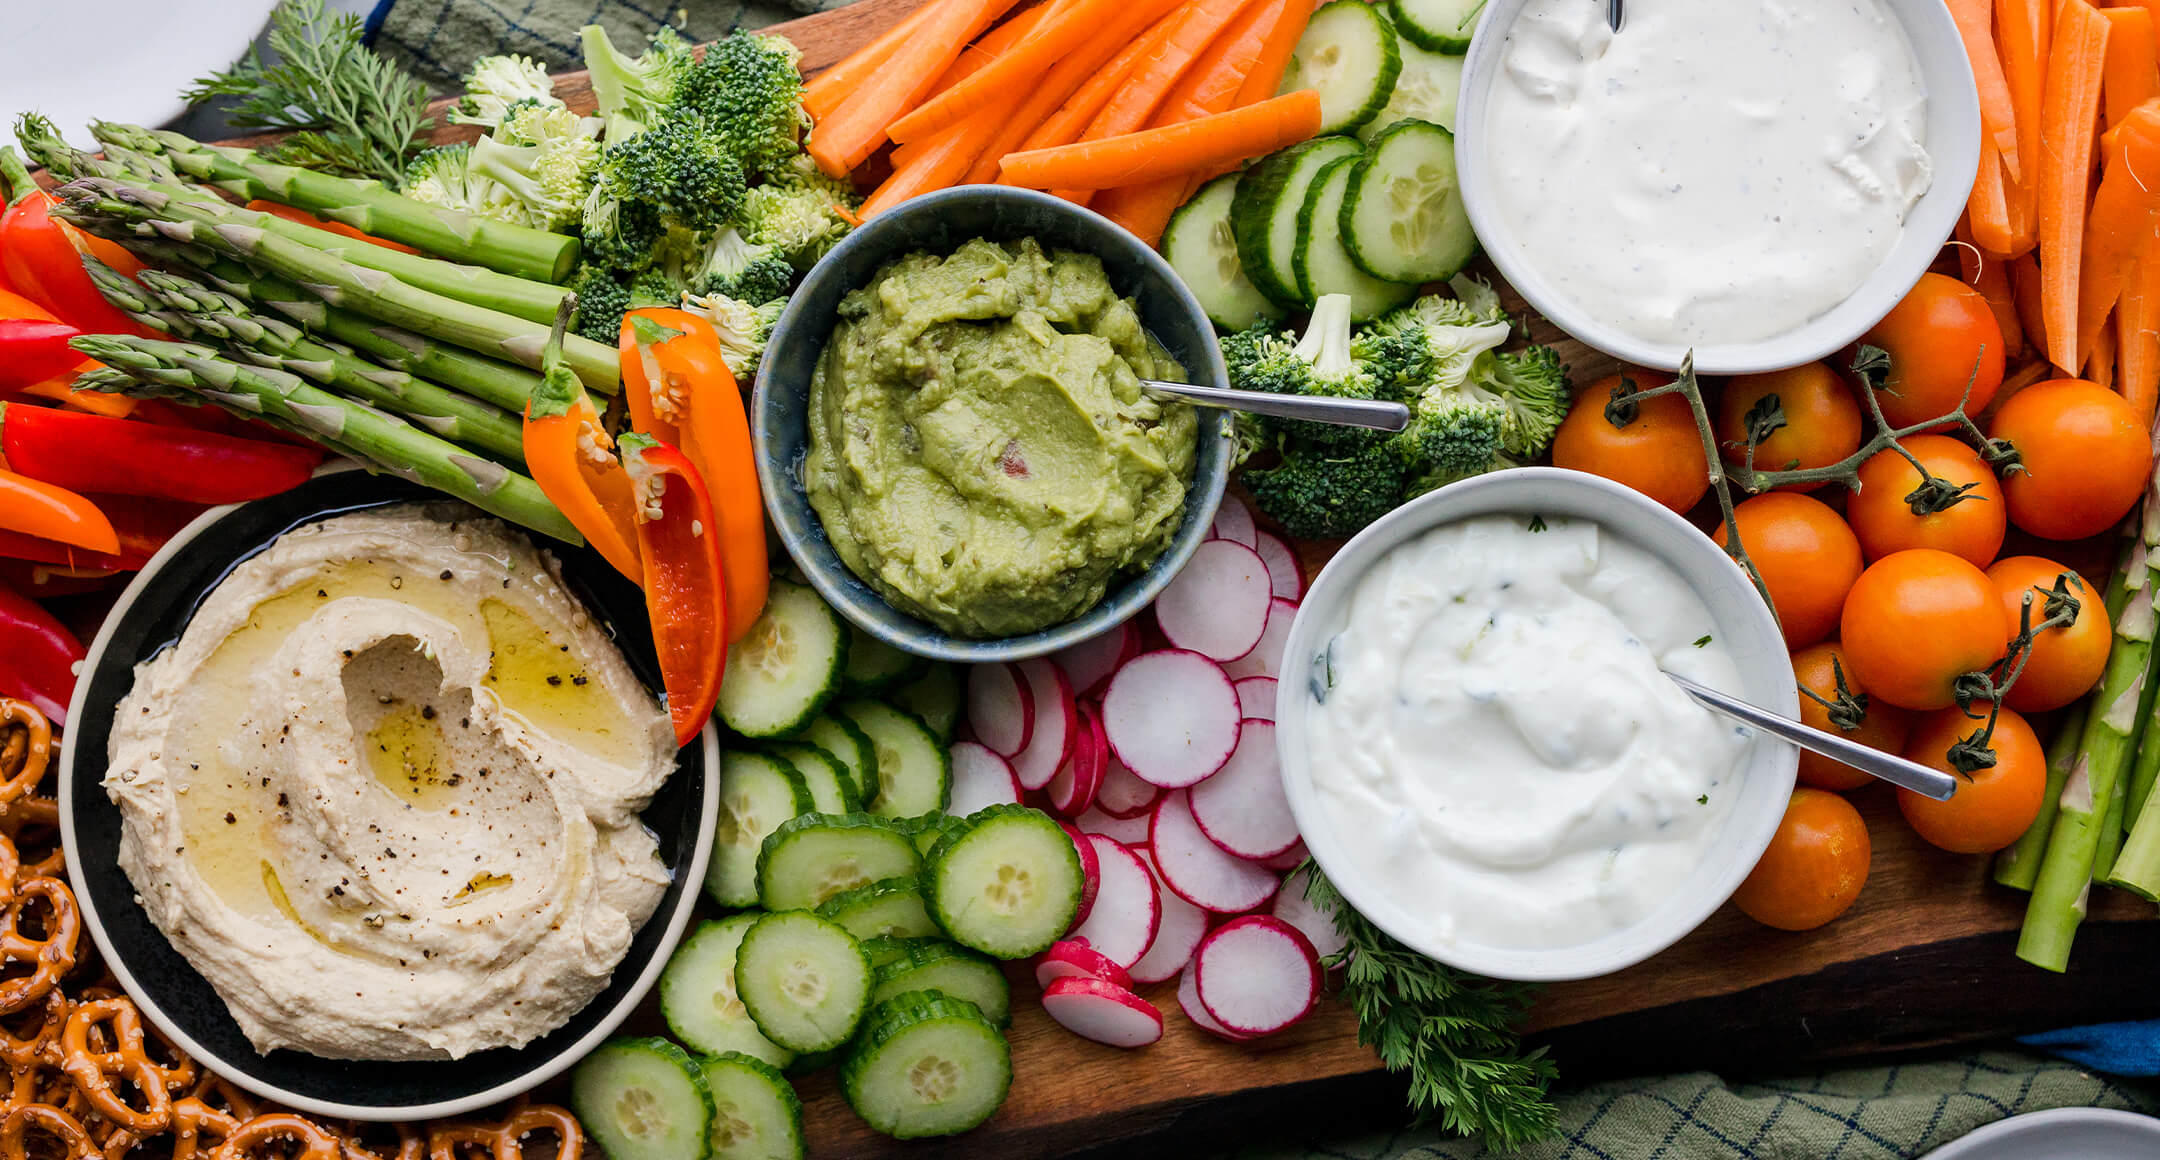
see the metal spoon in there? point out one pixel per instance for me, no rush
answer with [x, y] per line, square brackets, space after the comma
[1380, 416]
[1890, 767]
[1612, 14]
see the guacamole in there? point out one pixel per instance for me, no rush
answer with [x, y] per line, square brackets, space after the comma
[980, 450]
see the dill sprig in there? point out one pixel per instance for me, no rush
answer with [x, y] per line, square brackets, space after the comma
[348, 110]
[1454, 1034]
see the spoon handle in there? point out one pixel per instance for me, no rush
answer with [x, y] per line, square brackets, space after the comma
[1373, 413]
[1889, 767]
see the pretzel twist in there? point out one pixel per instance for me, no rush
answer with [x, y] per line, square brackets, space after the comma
[49, 957]
[94, 1071]
[251, 1139]
[23, 1118]
[25, 750]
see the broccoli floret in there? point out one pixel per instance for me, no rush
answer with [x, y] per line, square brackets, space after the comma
[1453, 439]
[543, 158]
[680, 168]
[618, 233]
[736, 268]
[803, 173]
[1432, 341]
[1321, 494]
[444, 176]
[1532, 388]
[656, 287]
[800, 223]
[749, 88]
[1319, 363]
[633, 91]
[742, 328]
[602, 300]
[497, 82]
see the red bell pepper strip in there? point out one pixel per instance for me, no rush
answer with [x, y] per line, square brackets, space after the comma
[33, 350]
[88, 452]
[38, 656]
[294, 214]
[37, 508]
[43, 261]
[571, 457]
[143, 525]
[717, 440]
[678, 536]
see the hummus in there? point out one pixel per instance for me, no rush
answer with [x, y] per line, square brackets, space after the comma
[980, 451]
[383, 792]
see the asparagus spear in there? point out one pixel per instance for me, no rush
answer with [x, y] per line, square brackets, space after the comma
[364, 205]
[370, 435]
[2017, 866]
[2136, 866]
[120, 210]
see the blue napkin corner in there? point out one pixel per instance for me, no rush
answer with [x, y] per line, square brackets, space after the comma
[2131, 1048]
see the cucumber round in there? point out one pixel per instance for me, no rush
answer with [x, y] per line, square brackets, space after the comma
[927, 1065]
[933, 697]
[937, 965]
[887, 908]
[756, 1113]
[832, 789]
[872, 665]
[1005, 882]
[1348, 55]
[816, 856]
[1264, 210]
[848, 746]
[884, 949]
[1199, 245]
[759, 793]
[804, 980]
[786, 667]
[1402, 216]
[1323, 262]
[1428, 90]
[698, 999]
[644, 1099]
[930, 829]
[914, 768]
[1438, 25]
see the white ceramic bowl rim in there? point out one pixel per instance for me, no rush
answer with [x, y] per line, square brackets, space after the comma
[1744, 623]
[1953, 141]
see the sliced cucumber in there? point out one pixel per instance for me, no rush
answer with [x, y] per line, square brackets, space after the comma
[832, 790]
[928, 1065]
[889, 908]
[1402, 217]
[848, 746]
[1198, 244]
[758, 794]
[937, 965]
[1439, 25]
[756, 1113]
[698, 999]
[1007, 882]
[817, 856]
[1323, 262]
[914, 769]
[1264, 213]
[1427, 90]
[934, 697]
[786, 667]
[931, 828]
[644, 1099]
[805, 981]
[872, 665]
[884, 949]
[1349, 55]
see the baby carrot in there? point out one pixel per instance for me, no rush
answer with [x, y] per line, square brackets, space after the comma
[1054, 39]
[1132, 158]
[853, 131]
[2068, 110]
[1998, 118]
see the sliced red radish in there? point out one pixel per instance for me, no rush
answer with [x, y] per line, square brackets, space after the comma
[1289, 859]
[1171, 717]
[1090, 872]
[1072, 957]
[1089, 664]
[1130, 831]
[1073, 787]
[1256, 697]
[1292, 907]
[1126, 913]
[1051, 740]
[979, 778]
[1243, 807]
[1188, 1001]
[1217, 605]
[1233, 521]
[1176, 938]
[999, 710]
[1124, 796]
[1282, 566]
[1256, 975]
[1266, 658]
[1197, 869]
[1103, 1012]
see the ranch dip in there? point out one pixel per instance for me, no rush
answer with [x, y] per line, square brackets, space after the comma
[1492, 723]
[1718, 171]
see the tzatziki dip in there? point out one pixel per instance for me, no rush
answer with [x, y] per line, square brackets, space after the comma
[1492, 722]
[1718, 171]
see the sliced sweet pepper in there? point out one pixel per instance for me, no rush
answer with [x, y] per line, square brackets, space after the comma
[92, 453]
[36, 508]
[684, 591]
[43, 259]
[38, 656]
[143, 526]
[33, 350]
[572, 459]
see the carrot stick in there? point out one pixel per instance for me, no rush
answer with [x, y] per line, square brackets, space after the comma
[1998, 117]
[853, 131]
[1274, 56]
[993, 44]
[1989, 209]
[1055, 39]
[2068, 110]
[1072, 118]
[2152, 6]
[824, 92]
[1132, 158]
[2120, 224]
[2137, 333]
[2025, 291]
[2022, 32]
[2132, 74]
[2100, 363]
[1990, 276]
[1163, 66]
[935, 162]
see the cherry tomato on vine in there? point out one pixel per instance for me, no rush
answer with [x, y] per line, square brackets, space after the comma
[1916, 621]
[1819, 420]
[1656, 450]
[1940, 338]
[2066, 660]
[1808, 559]
[1993, 805]
[1971, 526]
[1814, 867]
[1873, 722]
[2084, 458]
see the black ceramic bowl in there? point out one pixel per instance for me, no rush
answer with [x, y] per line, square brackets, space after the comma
[149, 617]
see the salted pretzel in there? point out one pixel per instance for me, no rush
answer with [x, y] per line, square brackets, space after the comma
[412, 1143]
[25, 750]
[94, 1070]
[252, 1140]
[49, 956]
[506, 1140]
[23, 1118]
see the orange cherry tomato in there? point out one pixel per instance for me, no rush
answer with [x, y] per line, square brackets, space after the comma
[1814, 867]
[1917, 620]
[1940, 338]
[1807, 556]
[2066, 660]
[1993, 806]
[1821, 420]
[1657, 451]
[2085, 458]
[1880, 725]
[1882, 515]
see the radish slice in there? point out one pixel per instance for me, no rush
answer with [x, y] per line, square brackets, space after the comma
[1233, 521]
[1176, 938]
[1090, 873]
[1243, 807]
[1188, 1001]
[1073, 787]
[1072, 957]
[1256, 698]
[980, 778]
[1256, 975]
[1289, 859]
[1051, 740]
[1217, 605]
[1129, 831]
[999, 710]
[1197, 869]
[1103, 1012]
[1171, 717]
[1089, 664]
[1126, 913]
[1266, 658]
[1292, 907]
[1124, 796]
[1282, 566]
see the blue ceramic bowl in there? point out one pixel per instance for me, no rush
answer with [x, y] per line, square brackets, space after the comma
[940, 223]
